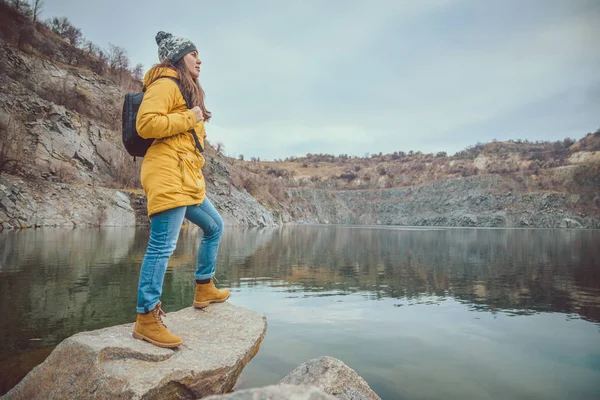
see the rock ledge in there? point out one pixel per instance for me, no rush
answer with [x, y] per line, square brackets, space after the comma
[110, 364]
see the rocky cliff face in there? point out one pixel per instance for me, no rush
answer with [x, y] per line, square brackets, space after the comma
[25, 204]
[54, 142]
[479, 201]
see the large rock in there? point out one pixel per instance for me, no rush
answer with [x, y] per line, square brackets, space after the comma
[34, 204]
[277, 392]
[333, 377]
[110, 364]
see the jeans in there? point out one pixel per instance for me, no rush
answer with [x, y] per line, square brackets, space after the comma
[164, 232]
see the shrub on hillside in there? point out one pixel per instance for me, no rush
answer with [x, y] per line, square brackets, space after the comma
[59, 40]
[65, 172]
[348, 175]
[276, 189]
[127, 173]
[278, 172]
[68, 94]
[12, 143]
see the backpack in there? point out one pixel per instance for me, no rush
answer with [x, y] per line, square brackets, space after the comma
[134, 143]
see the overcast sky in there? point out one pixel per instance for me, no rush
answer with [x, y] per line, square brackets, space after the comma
[286, 78]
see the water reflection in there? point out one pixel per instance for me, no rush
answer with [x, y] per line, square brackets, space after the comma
[54, 283]
[530, 270]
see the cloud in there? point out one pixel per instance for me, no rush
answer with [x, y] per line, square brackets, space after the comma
[285, 78]
[257, 141]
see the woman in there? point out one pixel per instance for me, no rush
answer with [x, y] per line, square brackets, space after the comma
[173, 183]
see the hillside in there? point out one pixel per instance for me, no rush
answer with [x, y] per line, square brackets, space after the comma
[62, 162]
[514, 183]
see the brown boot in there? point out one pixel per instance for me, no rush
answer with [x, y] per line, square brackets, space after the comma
[150, 327]
[207, 293]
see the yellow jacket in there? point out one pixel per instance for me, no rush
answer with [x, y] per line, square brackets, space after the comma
[171, 171]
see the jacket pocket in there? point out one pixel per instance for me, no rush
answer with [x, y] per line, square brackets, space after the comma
[190, 173]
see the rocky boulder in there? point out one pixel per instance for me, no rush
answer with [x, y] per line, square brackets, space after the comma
[333, 377]
[26, 204]
[277, 392]
[110, 364]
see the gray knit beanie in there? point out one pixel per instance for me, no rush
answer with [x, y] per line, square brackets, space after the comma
[172, 48]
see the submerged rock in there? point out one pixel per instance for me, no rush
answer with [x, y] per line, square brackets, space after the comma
[333, 377]
[277, 392]
[110, 364]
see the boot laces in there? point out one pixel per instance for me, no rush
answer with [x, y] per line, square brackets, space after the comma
[158, 313]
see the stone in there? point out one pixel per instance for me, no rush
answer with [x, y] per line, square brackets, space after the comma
[86, 158]
[7, 202]
[119, 212]
[121, 199]
[333, 377]
[46, 203]
[276, 392]
[110, 364]
[570, 223]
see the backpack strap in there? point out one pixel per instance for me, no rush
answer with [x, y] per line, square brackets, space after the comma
[187, 103]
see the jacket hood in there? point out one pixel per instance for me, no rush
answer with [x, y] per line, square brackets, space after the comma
[162, 71]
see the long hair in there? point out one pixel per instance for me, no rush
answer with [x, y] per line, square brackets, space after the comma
[190, 87]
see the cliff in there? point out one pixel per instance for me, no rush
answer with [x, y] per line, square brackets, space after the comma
[480, 201]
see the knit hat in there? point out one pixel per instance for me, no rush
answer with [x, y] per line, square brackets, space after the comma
[172, 48]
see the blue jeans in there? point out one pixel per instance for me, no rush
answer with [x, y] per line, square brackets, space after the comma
[164, 232]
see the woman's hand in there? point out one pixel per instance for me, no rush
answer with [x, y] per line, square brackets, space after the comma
[198, 113]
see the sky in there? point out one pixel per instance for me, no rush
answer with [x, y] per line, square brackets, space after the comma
[287, 78]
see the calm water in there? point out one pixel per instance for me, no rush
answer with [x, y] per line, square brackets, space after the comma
[419, 313]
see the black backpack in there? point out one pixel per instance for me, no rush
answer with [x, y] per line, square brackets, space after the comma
[134, 143]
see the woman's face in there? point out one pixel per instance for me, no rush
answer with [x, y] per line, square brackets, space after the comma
[192, 63]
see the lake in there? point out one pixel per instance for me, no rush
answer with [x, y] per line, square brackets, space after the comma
[419, 313]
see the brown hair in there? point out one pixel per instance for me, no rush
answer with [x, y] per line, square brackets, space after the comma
[191, 87]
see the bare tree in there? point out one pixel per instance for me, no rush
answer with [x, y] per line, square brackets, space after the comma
[117, 58]
[100, 66]
[16, 4]
[22, 7]
[38, 5]
[65, 29]
[138, 72]
[88, 46]
[74, 36]
[58, 24]
[91, 48]
[118, 61]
